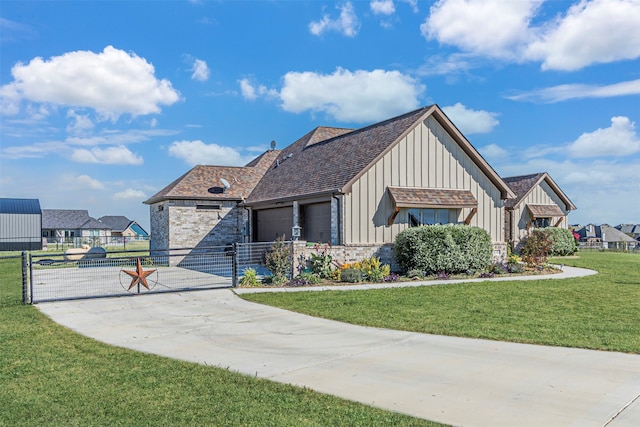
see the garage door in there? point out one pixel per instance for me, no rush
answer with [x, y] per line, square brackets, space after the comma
[317, 222]
[273, 223]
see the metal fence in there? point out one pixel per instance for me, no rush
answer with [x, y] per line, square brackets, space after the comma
[610, 246]
[120, 242]
[61, 276]
[77, 275]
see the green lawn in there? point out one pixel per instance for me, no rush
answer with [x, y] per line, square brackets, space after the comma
[51, 376]
[596, 312]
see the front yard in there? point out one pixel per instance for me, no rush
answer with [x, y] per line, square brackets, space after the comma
[595, 312]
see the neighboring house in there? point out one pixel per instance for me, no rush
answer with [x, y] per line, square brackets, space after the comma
[631, 230]
[20, 225]
[68, 225]
[123, 227]
[604, 236]
[203, 206]
[355, 188]
[539, 203]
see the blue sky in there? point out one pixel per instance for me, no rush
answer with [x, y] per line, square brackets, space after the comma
[104, 103]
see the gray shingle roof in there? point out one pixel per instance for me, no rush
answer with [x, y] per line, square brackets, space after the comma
[70, 219]
[116, 223]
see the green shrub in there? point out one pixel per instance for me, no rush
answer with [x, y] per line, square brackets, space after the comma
[278, 261]
[321, 261]
[373, 270]
[562, 241]
[415, 274]
[250, 278]
[443, 248]
[351, 275]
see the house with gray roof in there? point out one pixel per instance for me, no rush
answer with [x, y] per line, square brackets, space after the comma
[631, 230]
[604, 236]
[539, 203]
[123, 227]
[70, 225]
[344, 187]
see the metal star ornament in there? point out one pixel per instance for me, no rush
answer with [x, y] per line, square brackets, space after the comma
[139, 277]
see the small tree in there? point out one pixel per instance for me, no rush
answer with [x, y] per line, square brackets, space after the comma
[278, 261]
[536, 248]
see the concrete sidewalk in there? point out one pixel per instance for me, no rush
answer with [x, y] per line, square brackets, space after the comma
[456, 381]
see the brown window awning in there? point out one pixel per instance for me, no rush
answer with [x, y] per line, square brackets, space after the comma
[411, 197]
[408, 197]
[544, 211]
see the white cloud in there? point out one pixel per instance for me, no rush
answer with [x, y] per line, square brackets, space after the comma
[589, 32]
[80, 123]
[493, 152]
[347, 23]
[85, 181]
[112, 83]
[251, 92]
[413, 4]
[620, 139]
[579, 91]
[471, 121]
[199, 153]
[382, 7]
[200, 70]
[119, 155]
[129, 193]
[486, 27]
[347, 96]
[597, 31]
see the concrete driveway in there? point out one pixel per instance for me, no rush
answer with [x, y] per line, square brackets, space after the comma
[457, 381]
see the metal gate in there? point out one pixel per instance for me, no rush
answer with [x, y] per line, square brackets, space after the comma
[53, 277]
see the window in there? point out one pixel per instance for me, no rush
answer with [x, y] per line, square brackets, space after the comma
[419, 217]
[542, 222]
[208, 207]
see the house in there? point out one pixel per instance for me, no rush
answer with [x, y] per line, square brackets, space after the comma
[352, 188]
[20, 225]
[631, 230]
[203, 207]
[604, 236]
[124, 228]
[71, 225]
[539, 203]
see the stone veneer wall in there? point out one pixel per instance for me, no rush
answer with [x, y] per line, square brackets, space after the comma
[184, 226]
[354, 253]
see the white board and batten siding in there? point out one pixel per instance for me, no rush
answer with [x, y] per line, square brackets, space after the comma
[427, 157]
[541, 194]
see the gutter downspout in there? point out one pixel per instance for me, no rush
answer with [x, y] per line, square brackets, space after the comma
[339, 218]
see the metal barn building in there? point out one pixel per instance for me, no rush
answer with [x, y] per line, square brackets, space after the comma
[20, 225]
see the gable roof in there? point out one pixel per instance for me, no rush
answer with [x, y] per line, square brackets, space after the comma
[604, 232]
[19, 206]
[116, 223]
[205, 182]
[522, 185]
[70, 219]
[328, 160]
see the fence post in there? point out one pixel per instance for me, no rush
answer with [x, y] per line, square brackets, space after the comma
[234, 266]
[25, 276]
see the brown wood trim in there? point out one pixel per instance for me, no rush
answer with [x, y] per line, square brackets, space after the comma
[393, 216]
[558, 222]
[467, 220]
